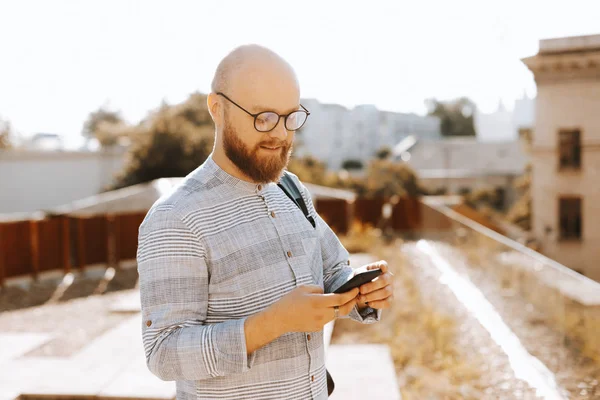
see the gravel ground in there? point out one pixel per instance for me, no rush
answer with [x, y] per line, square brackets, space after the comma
[451, 355]
[74, 319]
[577, 374]
[497, 380]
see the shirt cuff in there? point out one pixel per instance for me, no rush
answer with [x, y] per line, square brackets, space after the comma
[367, 315]
[231, 348]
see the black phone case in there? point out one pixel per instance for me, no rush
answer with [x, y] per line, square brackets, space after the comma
[358, 280]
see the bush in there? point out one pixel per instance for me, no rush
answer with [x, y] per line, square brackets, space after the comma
[170, 142]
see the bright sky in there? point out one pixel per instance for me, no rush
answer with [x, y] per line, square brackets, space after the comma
[60, 60]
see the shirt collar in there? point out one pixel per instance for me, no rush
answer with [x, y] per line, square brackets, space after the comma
[212, 167]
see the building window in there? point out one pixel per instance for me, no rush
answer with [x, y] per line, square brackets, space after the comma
[569, 143]
[570, 218]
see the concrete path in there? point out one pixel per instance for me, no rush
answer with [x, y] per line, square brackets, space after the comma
[362, 371]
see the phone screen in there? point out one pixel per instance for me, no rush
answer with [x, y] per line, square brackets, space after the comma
[359, 279]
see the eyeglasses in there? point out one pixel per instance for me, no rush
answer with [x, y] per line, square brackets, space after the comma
[266, 121]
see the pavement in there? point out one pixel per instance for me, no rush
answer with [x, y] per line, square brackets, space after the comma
[113, 365]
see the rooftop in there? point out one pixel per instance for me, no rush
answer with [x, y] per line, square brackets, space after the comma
[570, 44]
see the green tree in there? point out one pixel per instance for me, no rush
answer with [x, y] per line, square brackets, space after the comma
[171, 142]
[456, 116]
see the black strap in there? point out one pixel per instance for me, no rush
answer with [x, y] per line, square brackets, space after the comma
[289, 187]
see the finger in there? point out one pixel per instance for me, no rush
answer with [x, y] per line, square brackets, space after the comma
[377, 283]
[381, 264]
[311, 289]
[380, 294]
[381, 304]
[347, 308]
[333, 299]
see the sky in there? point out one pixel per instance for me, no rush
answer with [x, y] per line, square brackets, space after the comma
[61, 60]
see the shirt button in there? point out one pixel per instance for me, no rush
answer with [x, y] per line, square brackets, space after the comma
[289, 253]
[259, 187]
[273, 214]
[148, 323]
[312, 378]
[308, 336]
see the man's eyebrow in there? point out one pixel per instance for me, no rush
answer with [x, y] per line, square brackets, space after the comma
[258, 109]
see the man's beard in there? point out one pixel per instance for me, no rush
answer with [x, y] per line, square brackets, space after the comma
[260, 168]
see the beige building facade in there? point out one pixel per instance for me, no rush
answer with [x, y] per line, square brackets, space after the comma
[565, 152]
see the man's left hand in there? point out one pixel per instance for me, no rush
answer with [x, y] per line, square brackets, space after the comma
[379, 293]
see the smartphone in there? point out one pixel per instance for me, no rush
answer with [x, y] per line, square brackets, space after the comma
[359, 279]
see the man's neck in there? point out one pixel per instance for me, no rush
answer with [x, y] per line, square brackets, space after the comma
[228, 166]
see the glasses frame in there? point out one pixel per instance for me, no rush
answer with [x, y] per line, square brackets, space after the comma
[284, 116]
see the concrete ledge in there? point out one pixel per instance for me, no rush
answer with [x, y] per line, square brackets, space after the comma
[362, 371]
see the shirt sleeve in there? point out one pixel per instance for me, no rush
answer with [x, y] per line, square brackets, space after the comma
[336, 260]
[173, 281]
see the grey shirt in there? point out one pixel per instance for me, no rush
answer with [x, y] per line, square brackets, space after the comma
[215, 250]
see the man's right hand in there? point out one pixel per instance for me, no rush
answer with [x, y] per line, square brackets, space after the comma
[307, 309]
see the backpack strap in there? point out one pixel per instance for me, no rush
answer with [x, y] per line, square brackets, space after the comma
[289, 187]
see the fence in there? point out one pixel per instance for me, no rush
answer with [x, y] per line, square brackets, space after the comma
[66, 242]
[70, 242]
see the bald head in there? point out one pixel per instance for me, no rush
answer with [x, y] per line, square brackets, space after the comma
[251, 65]
[257, 81]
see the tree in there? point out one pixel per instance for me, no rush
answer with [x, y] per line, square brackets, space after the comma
[5, 135]
[103, 124]
[383, 153]
[456, 116]
[308, 169]
[520, 212]
[483, 197]
[352, 164]
[171, 142]
[387, 178]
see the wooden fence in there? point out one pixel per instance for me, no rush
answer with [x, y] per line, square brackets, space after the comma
[72, 242]
[66, 242]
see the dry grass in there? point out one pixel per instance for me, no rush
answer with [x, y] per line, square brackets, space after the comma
[578, 322]
[422, 340]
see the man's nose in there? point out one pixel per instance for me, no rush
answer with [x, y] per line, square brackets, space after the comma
[279, 131]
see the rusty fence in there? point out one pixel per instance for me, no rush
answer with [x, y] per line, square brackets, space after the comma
[67, 243]
[70, 243]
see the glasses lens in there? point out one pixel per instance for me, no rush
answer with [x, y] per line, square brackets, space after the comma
[266, 121]
[295, 120]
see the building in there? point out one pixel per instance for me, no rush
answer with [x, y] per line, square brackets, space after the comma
[505, 125]
[565, 151]
[334, 134]
[38, 179]
[460, 165]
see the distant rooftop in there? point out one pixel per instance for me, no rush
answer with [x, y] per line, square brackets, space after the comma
[140, 197]
[570, 44]
[461, 157]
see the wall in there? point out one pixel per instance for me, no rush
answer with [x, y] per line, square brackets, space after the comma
[565, 105]
[334, 133]
[33, 180]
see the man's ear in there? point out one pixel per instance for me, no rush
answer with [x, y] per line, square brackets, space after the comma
[215, 108]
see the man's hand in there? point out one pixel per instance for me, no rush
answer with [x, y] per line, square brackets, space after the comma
[307, 309]
[378, 293]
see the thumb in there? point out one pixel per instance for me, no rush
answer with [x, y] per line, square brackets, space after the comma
[311, 289]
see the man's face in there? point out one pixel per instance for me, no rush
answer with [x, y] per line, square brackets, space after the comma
[249, 149]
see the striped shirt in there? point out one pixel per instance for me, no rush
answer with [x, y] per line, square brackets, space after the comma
[215, 250]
